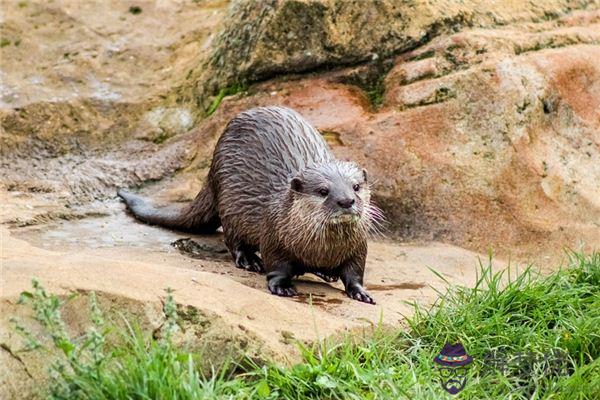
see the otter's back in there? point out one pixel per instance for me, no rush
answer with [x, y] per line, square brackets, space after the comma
[255, 158]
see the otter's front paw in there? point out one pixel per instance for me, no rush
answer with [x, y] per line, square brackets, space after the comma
[281, 290]
[358, 293]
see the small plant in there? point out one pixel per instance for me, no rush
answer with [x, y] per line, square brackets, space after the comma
[375, 92]
[371, 80]
[83, 356]
[133, 366]
[228, 91]
[135, 10]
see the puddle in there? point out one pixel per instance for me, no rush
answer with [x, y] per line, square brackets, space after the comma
[406, 285]
[194, 249]
[317, 299]
[115, 230]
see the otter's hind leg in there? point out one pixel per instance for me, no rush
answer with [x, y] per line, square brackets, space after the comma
[244, 256]
[280, 269]
[247, 259]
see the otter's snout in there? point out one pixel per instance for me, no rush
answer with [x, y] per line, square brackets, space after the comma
[346, 203]
[347, 211]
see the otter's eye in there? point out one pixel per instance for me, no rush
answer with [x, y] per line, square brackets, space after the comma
[323, 192]
[356, 187]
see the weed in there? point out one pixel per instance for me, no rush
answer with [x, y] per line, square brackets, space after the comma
[135, 10]
[228, 91]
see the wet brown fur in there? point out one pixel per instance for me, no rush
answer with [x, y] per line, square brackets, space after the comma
[248, 193]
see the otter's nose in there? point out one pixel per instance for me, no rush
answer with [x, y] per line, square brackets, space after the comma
[346, 203]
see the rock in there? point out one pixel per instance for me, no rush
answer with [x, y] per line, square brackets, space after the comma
[487, 138]
[497, 146]
[161, 123]
[261, 39]
[87, 74]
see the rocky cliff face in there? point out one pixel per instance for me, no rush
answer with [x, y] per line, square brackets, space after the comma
[478, 120]
[261, 39]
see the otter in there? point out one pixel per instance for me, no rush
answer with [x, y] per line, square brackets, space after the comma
[275, 188]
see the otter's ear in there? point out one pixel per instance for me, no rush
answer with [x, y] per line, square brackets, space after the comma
[364, 171]
[296, 184]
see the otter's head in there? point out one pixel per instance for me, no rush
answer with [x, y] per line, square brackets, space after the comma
[338, 192]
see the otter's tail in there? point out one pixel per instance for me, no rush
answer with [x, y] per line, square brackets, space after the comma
[199, 216]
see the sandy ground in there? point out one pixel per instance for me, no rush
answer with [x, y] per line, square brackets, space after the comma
[117, 255]
[225, 310]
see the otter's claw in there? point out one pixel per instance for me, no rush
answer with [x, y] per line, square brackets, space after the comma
[358, 293]
[327, 278]
[283, 291]
[248, 261]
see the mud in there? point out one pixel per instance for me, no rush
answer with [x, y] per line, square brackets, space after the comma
[194, 249]
[407, 285]
[320, 300]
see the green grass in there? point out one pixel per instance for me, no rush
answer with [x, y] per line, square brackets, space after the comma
[228, 91]
[528, 313]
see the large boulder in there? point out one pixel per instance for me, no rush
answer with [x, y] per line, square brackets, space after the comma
[483, 138]
[261, 39]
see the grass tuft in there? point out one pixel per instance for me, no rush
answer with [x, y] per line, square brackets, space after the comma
[228, 91]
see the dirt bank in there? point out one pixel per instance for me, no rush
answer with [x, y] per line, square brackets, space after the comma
[131, 265]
